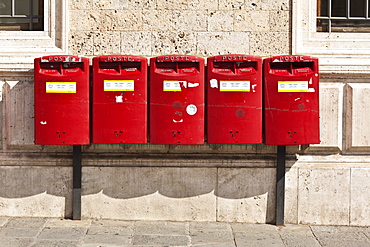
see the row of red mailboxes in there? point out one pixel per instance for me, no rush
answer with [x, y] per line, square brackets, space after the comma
[180, 109]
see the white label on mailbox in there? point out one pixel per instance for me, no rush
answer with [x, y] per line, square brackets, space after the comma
[191, 109]
[235, 86]
[60, 87]
[169, 85]
[292, 86]
[119, 85]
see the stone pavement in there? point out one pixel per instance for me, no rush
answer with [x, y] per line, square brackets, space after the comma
[53, 232]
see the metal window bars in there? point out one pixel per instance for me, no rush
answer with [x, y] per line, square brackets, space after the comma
[30, 18]
[345, 15]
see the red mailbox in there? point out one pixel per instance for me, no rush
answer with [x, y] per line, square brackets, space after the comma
[61, 90]
[291, 98]
[177, 100]
[119, 99]
[234, 99]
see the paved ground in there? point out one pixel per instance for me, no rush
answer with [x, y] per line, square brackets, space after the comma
[92, 233]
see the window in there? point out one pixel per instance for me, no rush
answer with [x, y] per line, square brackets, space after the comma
[343, 16]
[342, 49]
[22, 15]
[29, 29]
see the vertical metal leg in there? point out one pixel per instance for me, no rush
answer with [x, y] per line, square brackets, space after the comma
[77, 171]
[280, 184]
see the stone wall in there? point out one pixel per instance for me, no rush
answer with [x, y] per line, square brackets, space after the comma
[325, 184]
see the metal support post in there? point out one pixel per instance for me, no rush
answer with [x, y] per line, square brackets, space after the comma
[280, 184]
[77, 171]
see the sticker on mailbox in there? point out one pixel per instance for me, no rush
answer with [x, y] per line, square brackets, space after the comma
[119, 85]
[60, 87]
[292, 86]
[171, 85]
[235, 86]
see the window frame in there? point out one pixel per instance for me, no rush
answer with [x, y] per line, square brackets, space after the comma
[19, 48]
[339, 52]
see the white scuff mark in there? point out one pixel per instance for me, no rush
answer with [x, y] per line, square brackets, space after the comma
[254, 88]
[297, 99]
[43, 122]
[196, 84]
[12, 83]
[311, 90]
[213, 83]
[310, 82]
[180, 121]
[44, 60]
[276, 60]
[316, 75]
[191, 109]
[119, 99]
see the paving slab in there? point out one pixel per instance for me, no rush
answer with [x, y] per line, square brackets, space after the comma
[298, 236]
[16, 242]
[161, 228]
[63, 233]
[68, 223]
[19, 232]
[53, 243]
[26, 222]
[170, 240]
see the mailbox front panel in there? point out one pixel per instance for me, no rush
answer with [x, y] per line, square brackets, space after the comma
[234, 99]
[61, 92]
[177, 100]
[291, 100]
[119, 99]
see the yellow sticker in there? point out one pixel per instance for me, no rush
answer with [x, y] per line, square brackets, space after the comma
[119, 85]
[169, 85]
[235, 86]
[292, 86]
[60, 87]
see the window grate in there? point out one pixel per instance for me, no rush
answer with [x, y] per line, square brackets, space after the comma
[343, 15]
[22, 15]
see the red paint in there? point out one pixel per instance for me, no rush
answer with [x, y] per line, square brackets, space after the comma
[119, 115]
[291, 118]
[235, 116]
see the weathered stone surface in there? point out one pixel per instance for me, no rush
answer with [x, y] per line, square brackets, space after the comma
[190, 20]
[81, 43]
[231, 4]
[173, 43]
[269, 43]
[279, 21]
[360, 197]
[136, 43]
[111, 4]
[149, 193]
[251, 21]
[220, 21]
[107, 43]
[218, 43]
[81, 4]
[243, 198]
[324, 196]
[291, 196]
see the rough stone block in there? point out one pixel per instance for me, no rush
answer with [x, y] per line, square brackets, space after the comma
[360, 197]
[269, 43]
[141, 4]
[231, 4]
[111, 4]
[158, 20]
[218, 43]
[179, 194]
[251, 21]
[173, 43]
[136, 43]
[279, 21]
[106, 43]
[220, 21]
[203, 5]
[172, 4]
[242, 197]
[81, 43]
[324, 196]
[291, 196]
[80, 4]
[190, 20]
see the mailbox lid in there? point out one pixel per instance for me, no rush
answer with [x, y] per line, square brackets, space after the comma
[120, 99]
[61, 99]
[291, 100]
[177, 100]
[234, 99]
